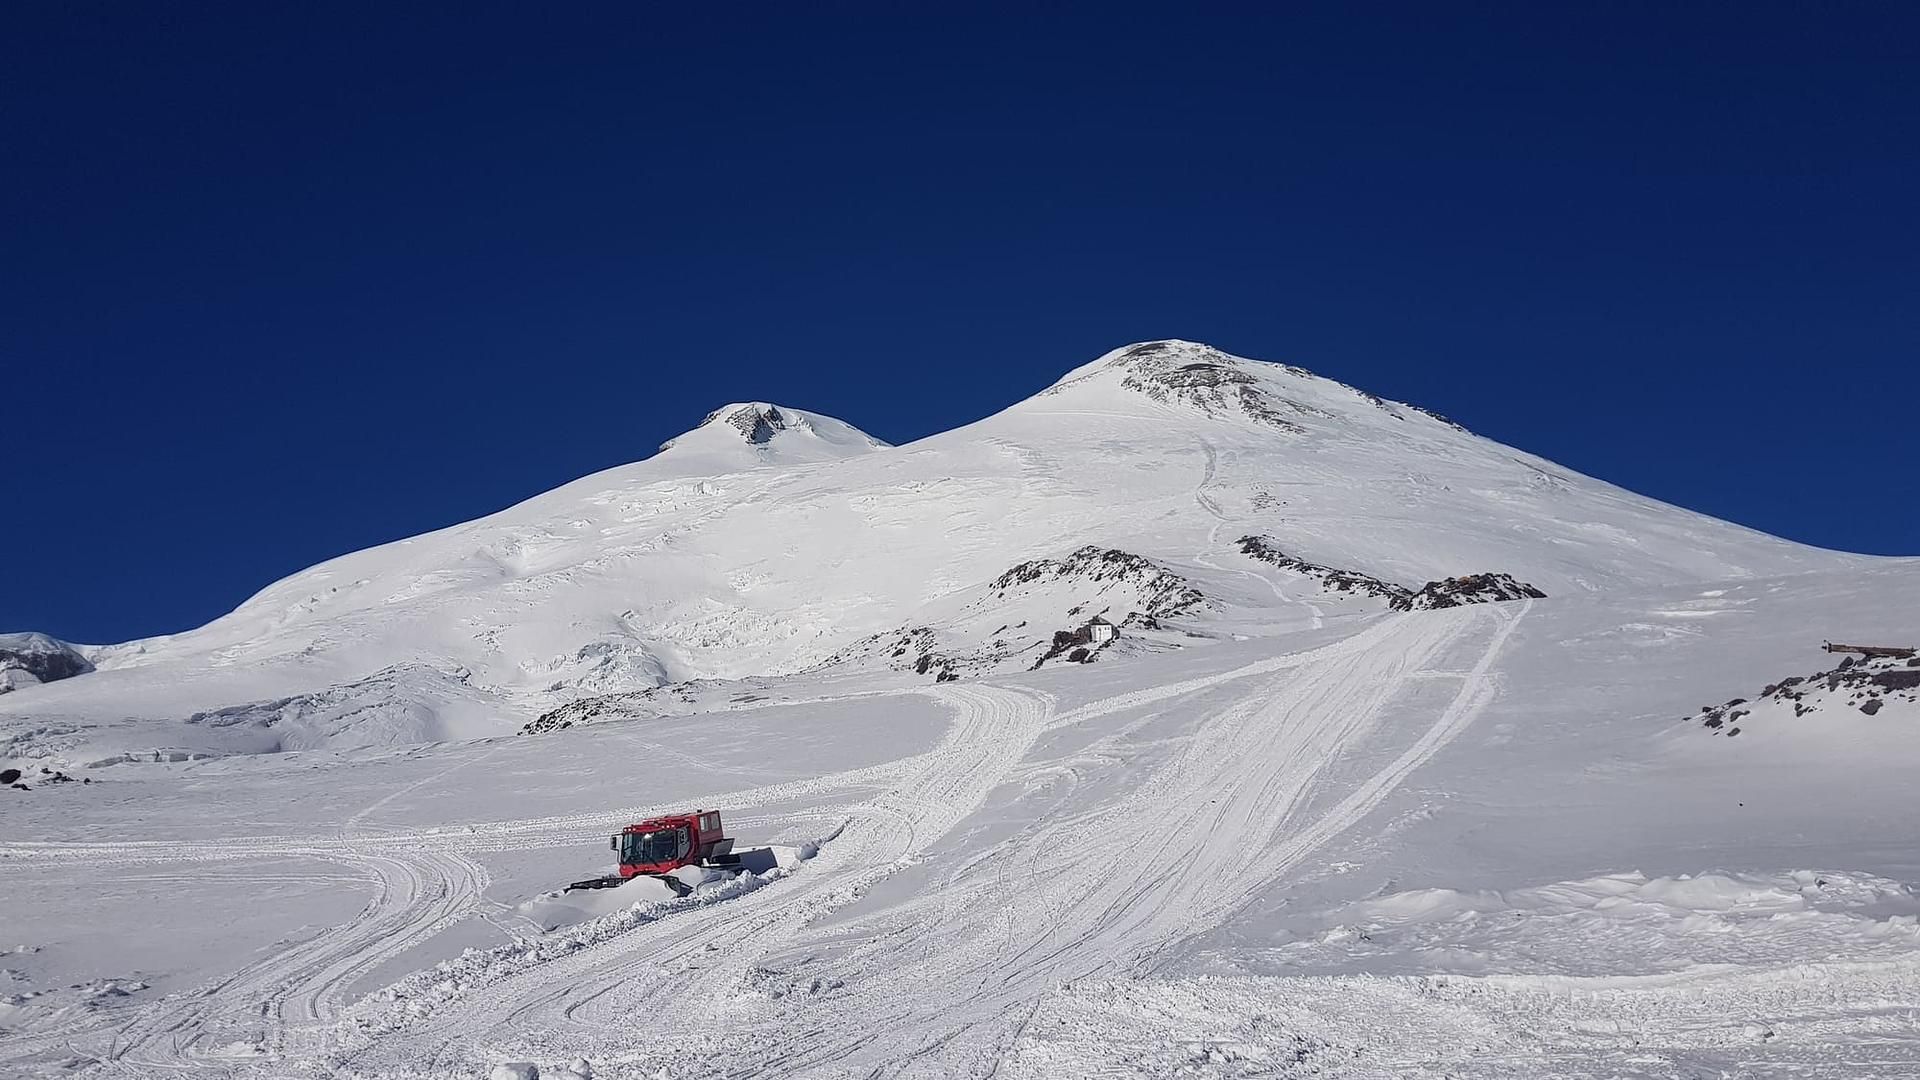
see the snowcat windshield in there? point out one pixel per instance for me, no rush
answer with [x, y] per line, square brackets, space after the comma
[650, 847]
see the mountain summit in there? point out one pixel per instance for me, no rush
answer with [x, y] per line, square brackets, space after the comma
[771, 540]
[783, 434]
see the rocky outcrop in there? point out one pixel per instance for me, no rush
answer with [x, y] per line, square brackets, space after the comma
[1450, 592]
[1204, 378]
[758, 424]
[1018, 617]
[1160, 591]
[1330, 578]
[31, 659]
[649, 703]
[1471, 589]
[1880, 686]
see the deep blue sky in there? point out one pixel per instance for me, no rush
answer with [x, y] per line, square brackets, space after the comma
[283, 281]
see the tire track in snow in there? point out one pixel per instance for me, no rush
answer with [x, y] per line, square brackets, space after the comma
[976, 947]
[1205, 556]
[695, 961]
[413, 897]
[948, 975]
[420, 882]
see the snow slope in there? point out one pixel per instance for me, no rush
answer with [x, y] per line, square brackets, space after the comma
[769, 541]
[1276, 828]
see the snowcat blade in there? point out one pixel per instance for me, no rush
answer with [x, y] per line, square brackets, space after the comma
[598, 883]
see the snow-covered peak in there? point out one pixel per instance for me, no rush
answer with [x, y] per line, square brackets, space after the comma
[1195, 378]
[777, 432]
[29, 659]
[1127, 357]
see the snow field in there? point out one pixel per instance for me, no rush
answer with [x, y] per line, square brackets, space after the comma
[1285, 835]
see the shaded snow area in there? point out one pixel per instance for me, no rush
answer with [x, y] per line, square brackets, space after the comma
[1196, 717]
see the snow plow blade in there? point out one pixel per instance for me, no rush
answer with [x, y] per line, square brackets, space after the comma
[680, 888]
[610, 882]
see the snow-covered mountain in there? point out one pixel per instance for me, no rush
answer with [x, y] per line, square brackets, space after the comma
[769, 541]
[1196, 716]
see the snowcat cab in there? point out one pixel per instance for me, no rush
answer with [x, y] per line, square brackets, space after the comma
[658, 846]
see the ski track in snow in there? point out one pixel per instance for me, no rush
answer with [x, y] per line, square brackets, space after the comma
[1054, 949]
[1204, 556]
[975, 960]
[1287, 717]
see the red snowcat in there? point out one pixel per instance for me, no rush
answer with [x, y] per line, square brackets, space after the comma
[658, 846]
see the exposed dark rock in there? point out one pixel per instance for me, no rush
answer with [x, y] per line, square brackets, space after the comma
[758, 425]
[651, 703]
[1869, 684]
[1330, 578]
[1162, 592]
[8, 776]
[1897, 680]
[1471, 589]
[1207, 380]
[30, 658]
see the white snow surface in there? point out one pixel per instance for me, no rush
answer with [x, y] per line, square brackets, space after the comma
[1274, 829]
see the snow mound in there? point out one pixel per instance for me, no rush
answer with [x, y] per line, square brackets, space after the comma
[563, 908]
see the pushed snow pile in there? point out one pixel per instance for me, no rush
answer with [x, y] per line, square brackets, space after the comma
[554, 910]
[1863, 684]
[1618, 924]
[31, 659]
[560, 908]
[1471, 589]
[421, 994]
